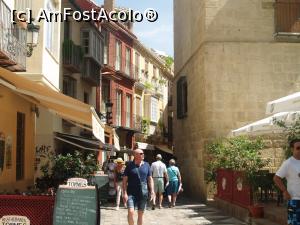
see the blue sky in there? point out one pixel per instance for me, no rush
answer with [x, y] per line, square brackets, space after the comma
[159, 34]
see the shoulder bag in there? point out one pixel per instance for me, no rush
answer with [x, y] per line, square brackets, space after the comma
[143, 186]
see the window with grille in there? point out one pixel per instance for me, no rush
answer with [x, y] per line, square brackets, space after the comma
[287, 14]
[182, 92]
[20, 146]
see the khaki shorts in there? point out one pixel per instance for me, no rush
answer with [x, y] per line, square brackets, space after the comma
[158, 185]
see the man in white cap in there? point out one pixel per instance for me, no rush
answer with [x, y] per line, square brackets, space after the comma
[158, 172]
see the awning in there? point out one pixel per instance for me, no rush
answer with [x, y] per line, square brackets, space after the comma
[267, 125]
[285, 104]
[84, 143]
[145, 146]
[56, 102]
[127, 129]
[164, 148]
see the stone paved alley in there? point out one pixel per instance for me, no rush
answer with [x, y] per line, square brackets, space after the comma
[185, 213]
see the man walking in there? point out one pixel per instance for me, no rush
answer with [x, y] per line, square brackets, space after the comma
[158, 172]
[290, 169]
[136, 177]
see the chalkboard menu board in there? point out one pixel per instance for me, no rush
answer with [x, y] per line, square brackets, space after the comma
[76, 206]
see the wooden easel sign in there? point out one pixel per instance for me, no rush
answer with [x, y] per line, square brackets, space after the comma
[76, 204]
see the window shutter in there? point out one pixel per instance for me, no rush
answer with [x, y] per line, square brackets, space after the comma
[147, 106]
[182, 98]
[179, 99]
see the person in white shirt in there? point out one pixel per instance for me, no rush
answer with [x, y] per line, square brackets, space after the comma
[290, 169]
[158, 172]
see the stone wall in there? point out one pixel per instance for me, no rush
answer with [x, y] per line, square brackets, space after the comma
[274, 151]
[233, 66]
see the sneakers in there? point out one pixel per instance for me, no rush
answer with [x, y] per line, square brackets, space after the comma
[170, 205]
[117, 208]
[153, 207]
[160, 207]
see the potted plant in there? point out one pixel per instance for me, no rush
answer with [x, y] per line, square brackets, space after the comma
[255, 181]
[238, 154]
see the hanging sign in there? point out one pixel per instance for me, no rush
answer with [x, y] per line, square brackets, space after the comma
[98, 129]
[116, 140]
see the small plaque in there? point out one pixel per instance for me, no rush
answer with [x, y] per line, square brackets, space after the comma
[14, 220]
[239, 184]
[77, 182]
[224, 182]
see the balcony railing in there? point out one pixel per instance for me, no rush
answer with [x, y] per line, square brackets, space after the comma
[125, 67]
[91, 72]
[159, 89]
[12, 42]
[287, 17]
[128, 119]
[136, 72]
[137, 122]
[72, 56]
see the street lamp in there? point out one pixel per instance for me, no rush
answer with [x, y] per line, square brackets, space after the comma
[32, 37]
[109, 106]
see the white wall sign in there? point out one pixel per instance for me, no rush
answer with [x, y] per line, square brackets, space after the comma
[116, 140]
[77, 182]
[98, 129]
[14, 220]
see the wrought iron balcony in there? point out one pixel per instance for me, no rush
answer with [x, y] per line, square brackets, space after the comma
[72, 56]
[159, 90]
[91, 72]
[137, 122]
[124, 67]
[12, 42]
[128, 119]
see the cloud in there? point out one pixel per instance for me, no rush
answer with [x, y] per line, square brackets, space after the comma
[152, 33]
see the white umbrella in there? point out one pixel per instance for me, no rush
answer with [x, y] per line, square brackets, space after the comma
[285, 104]
[267, 125]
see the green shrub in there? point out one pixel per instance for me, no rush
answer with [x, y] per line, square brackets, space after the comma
[65, 167]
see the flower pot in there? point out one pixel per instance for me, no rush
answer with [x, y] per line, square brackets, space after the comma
[256, 211]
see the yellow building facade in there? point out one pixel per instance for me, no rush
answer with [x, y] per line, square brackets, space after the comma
[17, 147]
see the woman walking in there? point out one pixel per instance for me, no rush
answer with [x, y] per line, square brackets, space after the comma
[119, 173]
[174, 183]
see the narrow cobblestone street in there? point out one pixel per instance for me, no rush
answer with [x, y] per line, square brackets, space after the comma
[186, 212]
